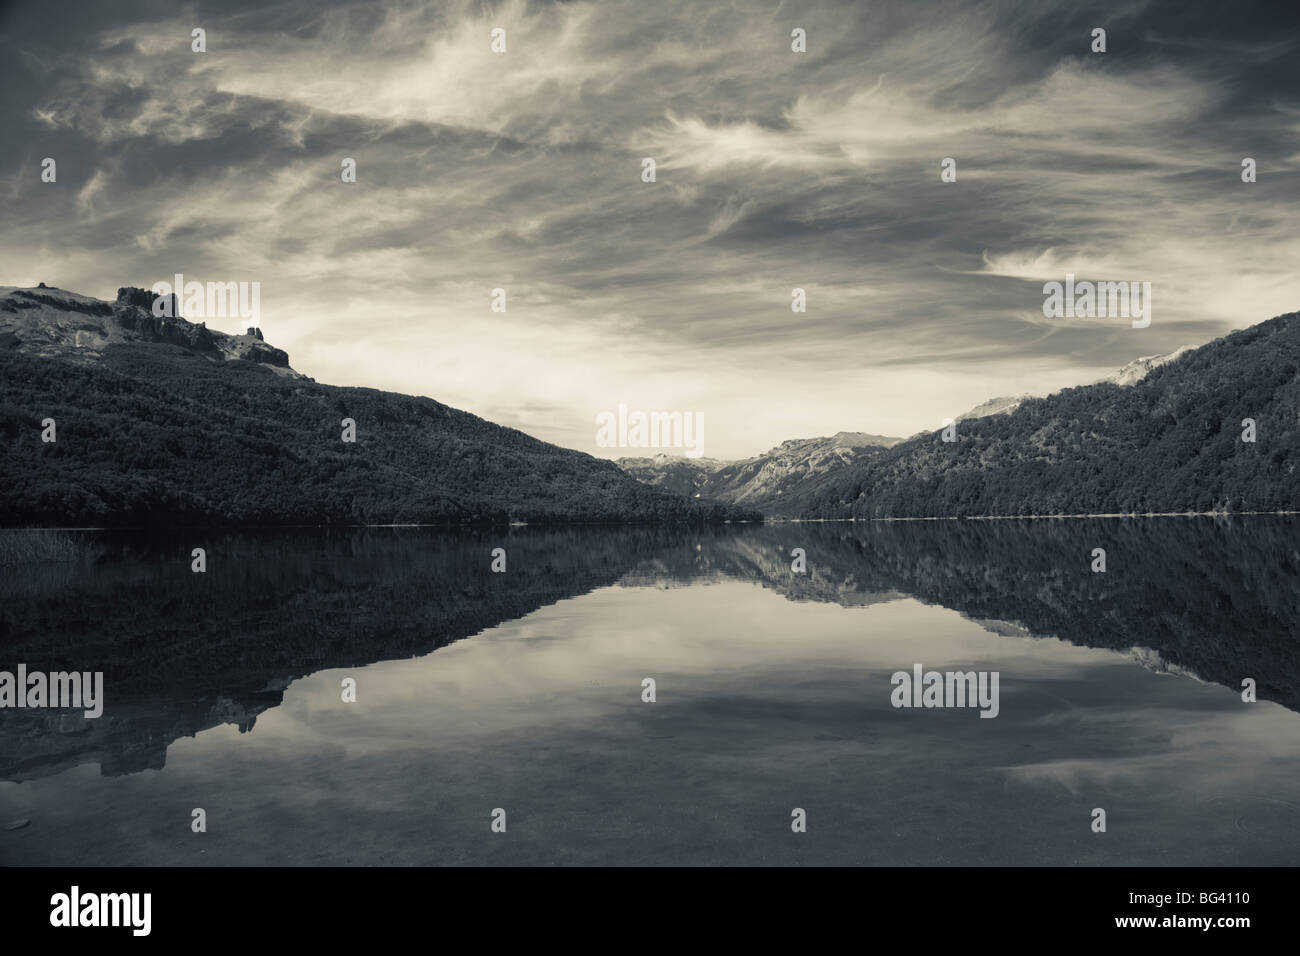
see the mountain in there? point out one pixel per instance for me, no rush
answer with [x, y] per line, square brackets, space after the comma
[770, 482]
[792, 479]
[838, 477]
[672, 473]
[162, 421]
[837, 445]
[1171, 441]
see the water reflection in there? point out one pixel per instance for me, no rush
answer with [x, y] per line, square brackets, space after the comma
[772, 694]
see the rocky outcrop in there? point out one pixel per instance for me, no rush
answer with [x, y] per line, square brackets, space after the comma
[54, 323]
[134, 310]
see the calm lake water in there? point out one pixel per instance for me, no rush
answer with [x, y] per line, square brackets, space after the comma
[523, 691]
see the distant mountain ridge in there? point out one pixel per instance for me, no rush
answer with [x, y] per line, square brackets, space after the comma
[164, 421]
[793, 467]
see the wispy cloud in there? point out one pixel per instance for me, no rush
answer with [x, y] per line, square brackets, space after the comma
[775, 170]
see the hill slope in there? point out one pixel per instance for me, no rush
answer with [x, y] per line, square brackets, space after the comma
[1169, 442]
[163, 421]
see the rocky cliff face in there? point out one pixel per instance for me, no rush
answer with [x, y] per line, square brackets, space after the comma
[54, 323]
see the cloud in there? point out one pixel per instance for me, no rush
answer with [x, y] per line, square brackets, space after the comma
[776, 170]
[86, 195]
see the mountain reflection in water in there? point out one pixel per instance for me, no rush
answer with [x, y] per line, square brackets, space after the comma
[1119, 690]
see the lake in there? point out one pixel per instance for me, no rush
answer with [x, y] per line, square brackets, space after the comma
[524, 691]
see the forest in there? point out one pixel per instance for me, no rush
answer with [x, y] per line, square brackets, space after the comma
[1179, 440]
[156, 434]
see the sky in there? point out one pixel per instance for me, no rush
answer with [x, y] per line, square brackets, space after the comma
[522, 170]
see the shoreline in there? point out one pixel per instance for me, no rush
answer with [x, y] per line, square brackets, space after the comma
[656, 524]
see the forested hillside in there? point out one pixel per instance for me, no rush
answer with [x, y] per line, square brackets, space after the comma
[154, 432]
[1172, 442]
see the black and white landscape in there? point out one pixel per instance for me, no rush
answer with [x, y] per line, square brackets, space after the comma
[650, 434]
